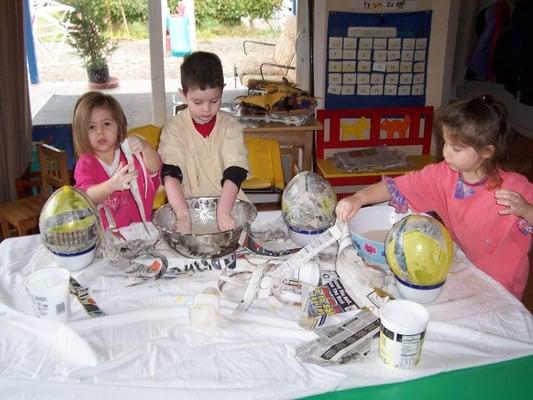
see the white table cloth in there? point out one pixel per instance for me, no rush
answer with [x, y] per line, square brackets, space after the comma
[145, 348]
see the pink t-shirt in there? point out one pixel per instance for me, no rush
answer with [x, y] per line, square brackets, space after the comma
[89, 172]
[495, 243]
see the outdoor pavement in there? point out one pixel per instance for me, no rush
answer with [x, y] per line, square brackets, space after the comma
[61, 71]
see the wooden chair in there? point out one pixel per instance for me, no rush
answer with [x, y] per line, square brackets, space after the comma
[22, 215]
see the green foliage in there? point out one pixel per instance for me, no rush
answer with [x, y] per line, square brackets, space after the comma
[216, 29]
[88, 36]
[136, 31]
[263, 9]
[229, 12]
[212, 16]
[134, 10]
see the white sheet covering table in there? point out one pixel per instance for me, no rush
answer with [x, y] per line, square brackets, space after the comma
[145, 348]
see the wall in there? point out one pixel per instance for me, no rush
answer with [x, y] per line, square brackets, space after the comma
[441, 46]
[303, 72]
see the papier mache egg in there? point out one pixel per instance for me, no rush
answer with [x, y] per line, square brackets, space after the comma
[308, 206]
[68, 227]
[419, 250]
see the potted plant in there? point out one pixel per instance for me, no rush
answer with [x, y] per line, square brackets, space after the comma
[87, 28]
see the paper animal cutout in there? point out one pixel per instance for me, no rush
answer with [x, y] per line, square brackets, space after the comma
[391, 126]
[355, 129]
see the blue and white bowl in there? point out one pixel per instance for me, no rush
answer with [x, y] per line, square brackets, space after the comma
[368, 229]
[303, 237]
[420, 294]
[74, 261]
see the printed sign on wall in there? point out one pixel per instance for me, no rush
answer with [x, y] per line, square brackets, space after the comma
[377, 60]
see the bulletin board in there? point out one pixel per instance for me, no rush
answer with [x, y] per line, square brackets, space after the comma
[377, 60]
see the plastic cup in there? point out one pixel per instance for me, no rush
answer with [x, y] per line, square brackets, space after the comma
[403, 327]
[49, 289]
[309, 273]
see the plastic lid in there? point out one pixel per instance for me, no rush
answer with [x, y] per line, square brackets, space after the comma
[404, 316]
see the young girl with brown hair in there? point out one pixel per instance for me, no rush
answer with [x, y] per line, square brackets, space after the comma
[487, 209]
[99, 127]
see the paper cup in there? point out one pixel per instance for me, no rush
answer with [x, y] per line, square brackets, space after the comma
[403, 327]
[49, 290]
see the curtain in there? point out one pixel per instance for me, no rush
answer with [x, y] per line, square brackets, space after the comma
[15, 115]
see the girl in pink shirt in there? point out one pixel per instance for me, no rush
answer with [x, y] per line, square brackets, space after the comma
[99, 127]
[488, 210]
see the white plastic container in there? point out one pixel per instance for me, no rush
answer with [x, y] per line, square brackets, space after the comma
[308, 273]
[403, 327]
[49, 290]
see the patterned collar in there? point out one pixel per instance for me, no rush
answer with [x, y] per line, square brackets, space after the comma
[464, 189]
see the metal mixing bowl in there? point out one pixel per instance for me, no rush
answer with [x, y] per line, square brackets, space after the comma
[203, 212]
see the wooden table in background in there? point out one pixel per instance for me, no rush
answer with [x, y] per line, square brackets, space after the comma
[290, 135]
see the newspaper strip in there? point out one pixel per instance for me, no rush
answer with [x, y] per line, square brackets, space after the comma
[82, 294]
[341, 343]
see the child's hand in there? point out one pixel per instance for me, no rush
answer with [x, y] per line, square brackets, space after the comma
[123, 177]
[513, 203]
[225, 221]
[136, 144]
[183, 222]
[347, 208]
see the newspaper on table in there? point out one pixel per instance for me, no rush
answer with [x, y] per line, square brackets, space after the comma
[375, 158]
[343, 342]
[254, 121]
[329, 299]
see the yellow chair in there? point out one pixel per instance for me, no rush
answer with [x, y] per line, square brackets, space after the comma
[266, 171]
[152, 134]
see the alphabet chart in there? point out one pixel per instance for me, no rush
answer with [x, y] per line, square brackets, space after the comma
[377, 60]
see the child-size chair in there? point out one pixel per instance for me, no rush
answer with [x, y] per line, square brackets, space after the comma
[266, 172]
[22, 215]
[152, 134]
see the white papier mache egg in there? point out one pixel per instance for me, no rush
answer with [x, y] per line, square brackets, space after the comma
[308, 203]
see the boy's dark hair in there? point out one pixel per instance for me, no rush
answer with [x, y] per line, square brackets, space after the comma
[201, 70]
